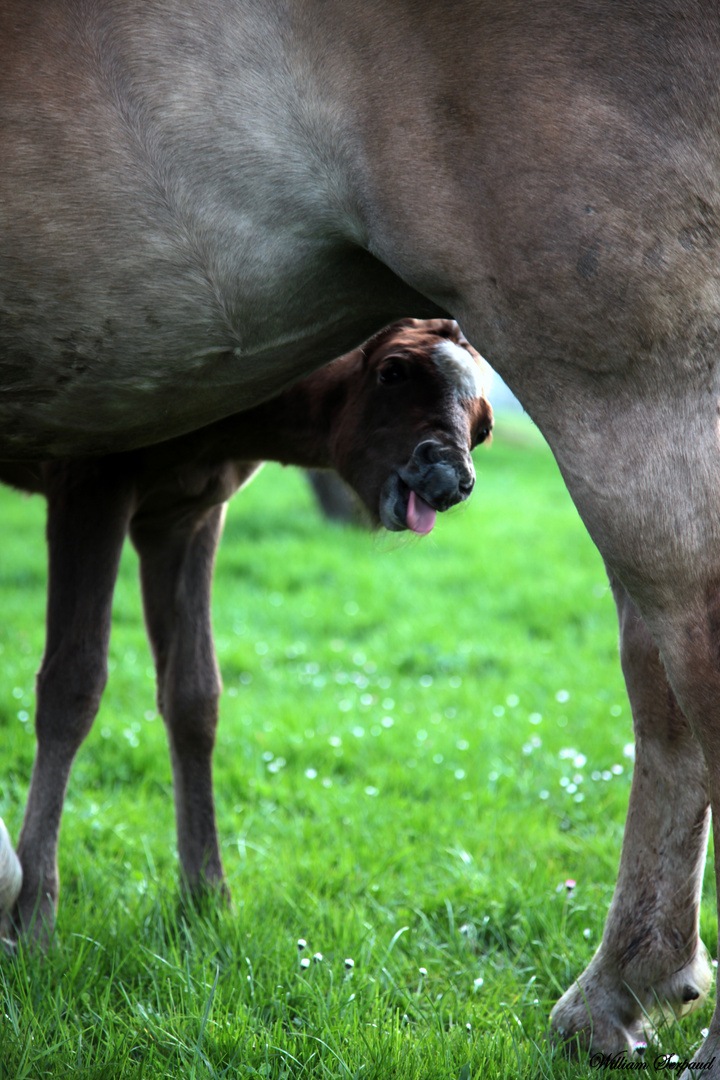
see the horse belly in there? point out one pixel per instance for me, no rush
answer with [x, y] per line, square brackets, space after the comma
[166, 258]
[112, 343]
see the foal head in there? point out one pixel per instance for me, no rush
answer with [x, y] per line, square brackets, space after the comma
[414, 410]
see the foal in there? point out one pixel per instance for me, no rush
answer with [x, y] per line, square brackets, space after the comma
[397, 418]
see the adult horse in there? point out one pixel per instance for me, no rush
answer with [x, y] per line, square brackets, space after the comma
[195, 197]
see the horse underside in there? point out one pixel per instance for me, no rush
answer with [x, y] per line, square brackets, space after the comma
[557, 192]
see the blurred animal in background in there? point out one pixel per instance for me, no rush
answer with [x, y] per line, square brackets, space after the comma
[335, 499]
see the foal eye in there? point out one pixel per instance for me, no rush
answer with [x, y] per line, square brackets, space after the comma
[479, 437]
[393, 373]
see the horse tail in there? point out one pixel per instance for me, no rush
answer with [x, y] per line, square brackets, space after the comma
[10, 871]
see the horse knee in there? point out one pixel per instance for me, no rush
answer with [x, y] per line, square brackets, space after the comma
[657, 715]
[69, 689]
[192, 721]
[637, 647]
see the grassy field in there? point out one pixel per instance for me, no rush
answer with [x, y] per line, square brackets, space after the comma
[421, 741]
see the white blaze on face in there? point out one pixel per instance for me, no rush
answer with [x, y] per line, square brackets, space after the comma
[468, 378]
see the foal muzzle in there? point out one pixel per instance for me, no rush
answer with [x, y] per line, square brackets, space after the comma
[435, 478]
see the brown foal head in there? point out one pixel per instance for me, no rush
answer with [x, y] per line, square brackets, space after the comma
[414, 410]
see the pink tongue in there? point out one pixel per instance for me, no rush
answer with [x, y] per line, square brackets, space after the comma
[420, 516]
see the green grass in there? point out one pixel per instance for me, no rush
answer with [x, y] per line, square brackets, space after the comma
[400, 780]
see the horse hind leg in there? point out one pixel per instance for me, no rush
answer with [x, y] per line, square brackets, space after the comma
[88, 511]
[176, 567]
[651, 958]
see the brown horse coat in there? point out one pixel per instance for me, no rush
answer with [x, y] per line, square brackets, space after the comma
[200, 200]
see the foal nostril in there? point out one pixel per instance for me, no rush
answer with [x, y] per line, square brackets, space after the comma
[465, 486]
[428, 452]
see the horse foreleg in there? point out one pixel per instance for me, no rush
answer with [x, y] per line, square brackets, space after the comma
[88, 511]
[689, 642]
[651, 957]
[176, 567]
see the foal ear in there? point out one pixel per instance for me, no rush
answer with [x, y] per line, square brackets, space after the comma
[449, 329]
[377, 340]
